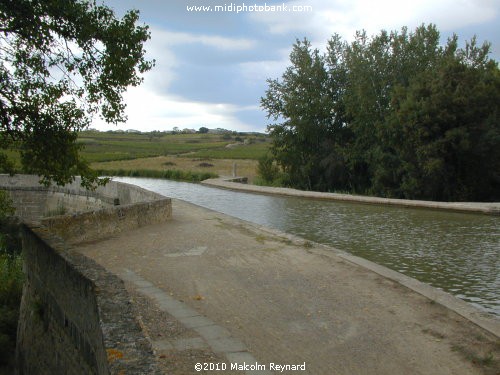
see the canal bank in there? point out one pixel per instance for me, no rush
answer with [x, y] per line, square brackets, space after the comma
[250, 293]
[236, 184]
[453, 251]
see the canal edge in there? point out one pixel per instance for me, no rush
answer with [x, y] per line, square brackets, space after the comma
[492, 208]
[480, 318]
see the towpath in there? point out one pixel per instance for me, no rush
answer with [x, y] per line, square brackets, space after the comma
[490, 208]
[213, 289]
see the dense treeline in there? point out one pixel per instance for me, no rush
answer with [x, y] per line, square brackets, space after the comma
[393, 115]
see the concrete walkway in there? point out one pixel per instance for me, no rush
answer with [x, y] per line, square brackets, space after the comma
[490, 208]
[255, 296]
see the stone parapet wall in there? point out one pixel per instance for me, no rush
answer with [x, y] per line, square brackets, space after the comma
[76, 317]
[94, 225]
[33, 201]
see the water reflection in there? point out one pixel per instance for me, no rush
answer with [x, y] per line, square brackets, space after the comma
[459, 253]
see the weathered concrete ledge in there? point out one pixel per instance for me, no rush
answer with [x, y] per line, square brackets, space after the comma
[492, 208]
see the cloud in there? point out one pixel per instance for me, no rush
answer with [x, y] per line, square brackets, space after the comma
[163, 48]
[255, 73]
[147, 110]
[346, 17]
[211, 68]
[173, 38]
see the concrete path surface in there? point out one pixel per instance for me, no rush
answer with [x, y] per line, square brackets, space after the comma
[253, 296]
[490, 208]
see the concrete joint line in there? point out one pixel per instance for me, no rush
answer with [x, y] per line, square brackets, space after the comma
[218, 338]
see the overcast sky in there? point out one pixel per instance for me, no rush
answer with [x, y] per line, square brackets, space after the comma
[211, 67]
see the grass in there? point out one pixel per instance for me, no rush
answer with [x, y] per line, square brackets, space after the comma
[252, 152]
[170, 174]
[485, 360]
[101, 147]
[308, 245]
[220, 167]
[158, 154]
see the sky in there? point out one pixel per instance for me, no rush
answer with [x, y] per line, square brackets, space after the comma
[211, 66]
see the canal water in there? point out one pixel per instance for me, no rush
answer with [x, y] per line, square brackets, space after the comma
[455, 252]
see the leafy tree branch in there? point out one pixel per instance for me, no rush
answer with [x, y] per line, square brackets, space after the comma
[62, 62]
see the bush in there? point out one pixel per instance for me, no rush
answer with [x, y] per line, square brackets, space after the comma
[169, 174]
[205, 165]
[11, 280]
[6, 208]
[268, 171]
[11, 287]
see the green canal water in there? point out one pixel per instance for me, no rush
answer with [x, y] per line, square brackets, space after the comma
[455, 252]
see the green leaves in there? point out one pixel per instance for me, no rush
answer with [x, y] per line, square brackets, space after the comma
[396, 115]
[61, 63]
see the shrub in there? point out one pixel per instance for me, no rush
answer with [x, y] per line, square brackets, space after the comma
[11, 279]
[169, 174]
[6, 208]
[11, 287]
[267, 170]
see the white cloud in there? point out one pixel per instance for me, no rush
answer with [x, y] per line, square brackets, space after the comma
[172, 38]
[162, 46]
[153, 105]
[147, 110]
[345, 17]
[257, 72]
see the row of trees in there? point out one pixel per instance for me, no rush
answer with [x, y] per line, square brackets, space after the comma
[394, 115]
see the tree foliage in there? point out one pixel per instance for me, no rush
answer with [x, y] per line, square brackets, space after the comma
[62, 62]
[395, 115]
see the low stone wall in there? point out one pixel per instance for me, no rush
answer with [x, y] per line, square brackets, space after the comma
[94, 225]
[33, 201]
[77, 215]
[75, 316]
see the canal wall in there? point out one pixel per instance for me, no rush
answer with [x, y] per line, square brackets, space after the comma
[75, 316]
[238, 184]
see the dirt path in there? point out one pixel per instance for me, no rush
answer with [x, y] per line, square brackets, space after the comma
[244, 293]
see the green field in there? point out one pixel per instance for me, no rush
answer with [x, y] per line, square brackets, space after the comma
[178, 156]
[112, 146]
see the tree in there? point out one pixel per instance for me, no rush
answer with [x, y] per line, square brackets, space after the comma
[301, 100]
[395, 115]
[62, 62]
[451, 118]
[376, 66]
[203, 130]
